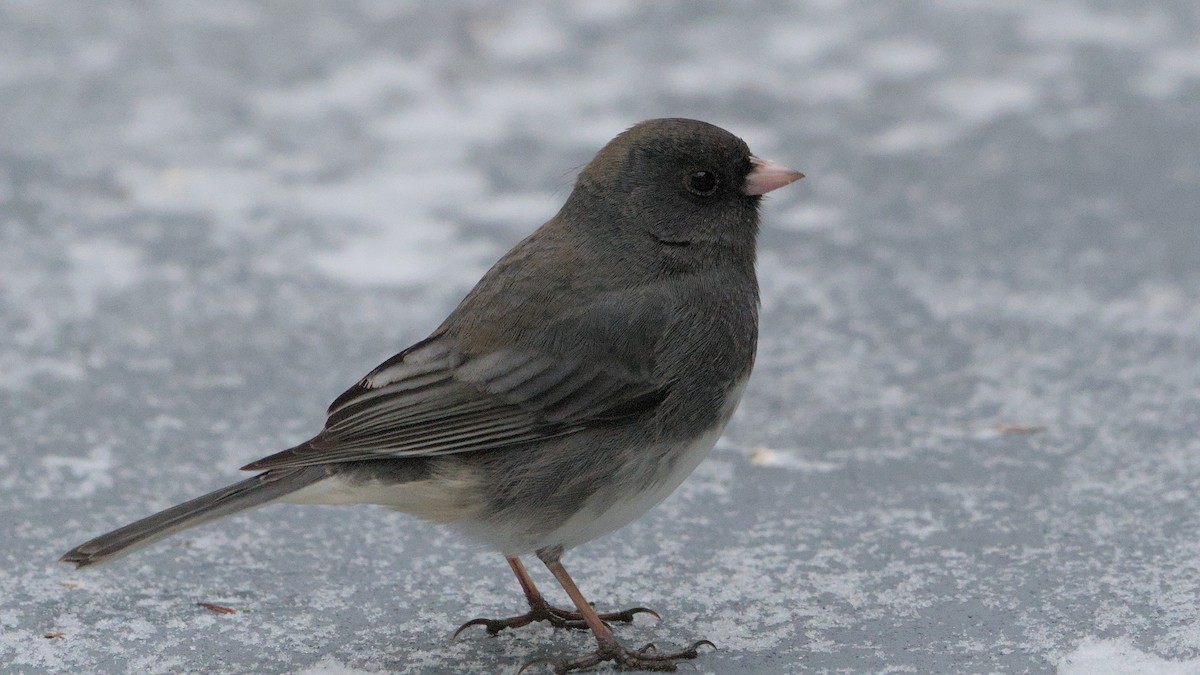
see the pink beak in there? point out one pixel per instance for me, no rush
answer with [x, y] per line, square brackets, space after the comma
[767, 175]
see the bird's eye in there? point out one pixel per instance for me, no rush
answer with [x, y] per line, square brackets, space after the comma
[702, 183]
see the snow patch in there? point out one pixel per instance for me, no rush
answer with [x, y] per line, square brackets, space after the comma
[1118, 656]
[90, 472]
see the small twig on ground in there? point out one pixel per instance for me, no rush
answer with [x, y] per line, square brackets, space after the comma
[219, 609]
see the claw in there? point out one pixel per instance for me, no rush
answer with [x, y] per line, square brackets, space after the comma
[650, 648]
[472, 622]
[628, 614]
[559, 618]
[623, 658]
[494, 626]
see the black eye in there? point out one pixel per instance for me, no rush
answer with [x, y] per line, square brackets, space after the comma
[703, 183]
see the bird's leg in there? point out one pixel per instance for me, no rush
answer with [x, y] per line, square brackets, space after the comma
[609, 649]
[540, 610]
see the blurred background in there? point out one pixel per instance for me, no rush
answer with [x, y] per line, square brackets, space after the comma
[971, 443]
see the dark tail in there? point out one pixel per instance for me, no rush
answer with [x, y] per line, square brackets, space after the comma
[257, 491]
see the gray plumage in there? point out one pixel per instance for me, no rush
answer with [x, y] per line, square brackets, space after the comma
[575, 374]
[261, 489]
[580, 381]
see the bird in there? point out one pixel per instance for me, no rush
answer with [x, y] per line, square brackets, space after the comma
[576, 386]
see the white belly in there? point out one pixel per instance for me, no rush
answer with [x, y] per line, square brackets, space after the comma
[587, 525]
[591, 522]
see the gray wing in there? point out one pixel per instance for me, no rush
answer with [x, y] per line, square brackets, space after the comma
[433, 399]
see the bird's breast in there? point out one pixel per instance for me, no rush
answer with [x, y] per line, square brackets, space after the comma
[663, 470]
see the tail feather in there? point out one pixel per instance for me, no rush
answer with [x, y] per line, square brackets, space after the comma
[257, 491]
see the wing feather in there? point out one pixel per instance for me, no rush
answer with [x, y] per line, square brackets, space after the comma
[433, 399]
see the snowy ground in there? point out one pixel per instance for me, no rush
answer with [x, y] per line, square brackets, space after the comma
[972, 442]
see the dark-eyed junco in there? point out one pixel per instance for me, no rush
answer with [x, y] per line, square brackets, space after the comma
[576, 386]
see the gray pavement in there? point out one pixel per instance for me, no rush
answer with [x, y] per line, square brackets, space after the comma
[970, 445]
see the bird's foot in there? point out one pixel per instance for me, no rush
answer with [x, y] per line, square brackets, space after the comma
[624, 658]
[559, 618]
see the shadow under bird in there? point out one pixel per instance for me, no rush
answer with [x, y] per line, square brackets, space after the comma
[576, 386]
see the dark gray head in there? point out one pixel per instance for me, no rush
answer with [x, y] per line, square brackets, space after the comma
[679, 182]
[668, 196]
